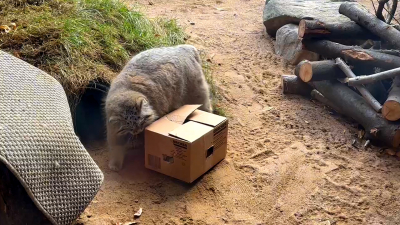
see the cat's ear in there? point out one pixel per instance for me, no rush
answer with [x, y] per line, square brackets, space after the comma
[142, 103]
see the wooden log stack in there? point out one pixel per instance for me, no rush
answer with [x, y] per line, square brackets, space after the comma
[361, 82]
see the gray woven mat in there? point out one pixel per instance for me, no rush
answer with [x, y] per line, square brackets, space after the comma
[38, 143]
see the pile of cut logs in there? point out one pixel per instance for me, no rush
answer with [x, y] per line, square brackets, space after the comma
[361, 82]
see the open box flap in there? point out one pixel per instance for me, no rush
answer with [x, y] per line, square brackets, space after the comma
[206, 118]
[179, 116]
[190, 131]
[162, 126]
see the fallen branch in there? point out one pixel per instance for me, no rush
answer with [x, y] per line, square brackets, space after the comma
[354, 106]
[367, 79]
[388, 51]
[391, 108]
[363, 91]
[348, 30]
[392, 12]
[354, 55]
[365, 19]
[381, 6]
[294, 85]
[373, 5]
[315, 94]
[318, 70]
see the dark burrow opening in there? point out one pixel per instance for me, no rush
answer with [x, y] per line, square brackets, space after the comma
[89, 115]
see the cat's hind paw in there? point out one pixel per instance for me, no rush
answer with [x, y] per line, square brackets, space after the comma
[115, 166]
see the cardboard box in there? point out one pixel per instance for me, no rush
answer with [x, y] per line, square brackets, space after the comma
[186, 143]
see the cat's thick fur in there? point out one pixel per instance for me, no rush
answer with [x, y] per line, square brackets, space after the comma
[152, 84]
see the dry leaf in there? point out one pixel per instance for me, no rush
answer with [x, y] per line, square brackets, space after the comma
[5, 28]
[13, 25]
[138, 213]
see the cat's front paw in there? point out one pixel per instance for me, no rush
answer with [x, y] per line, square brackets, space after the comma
[115, 166]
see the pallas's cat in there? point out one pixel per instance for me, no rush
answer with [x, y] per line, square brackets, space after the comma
[152, 84]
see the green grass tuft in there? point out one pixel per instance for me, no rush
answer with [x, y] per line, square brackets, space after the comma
[215, 97]
[77, 41]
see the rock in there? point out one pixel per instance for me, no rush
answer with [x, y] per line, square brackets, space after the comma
[278, 13]
[289, 46]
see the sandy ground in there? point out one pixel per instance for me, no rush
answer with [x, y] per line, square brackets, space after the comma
[290, 160]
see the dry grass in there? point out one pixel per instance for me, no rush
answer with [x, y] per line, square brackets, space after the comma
[77, 41]
[215, 97]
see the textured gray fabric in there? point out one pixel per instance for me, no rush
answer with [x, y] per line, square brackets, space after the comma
[38, 143]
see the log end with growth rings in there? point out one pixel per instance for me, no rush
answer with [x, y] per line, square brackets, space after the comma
[306, 72]
[391, 110]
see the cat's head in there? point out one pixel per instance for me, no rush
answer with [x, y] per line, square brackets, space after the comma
[129, 113]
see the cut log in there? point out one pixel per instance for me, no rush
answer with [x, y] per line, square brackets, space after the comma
[354, 55]
[367, 79]
[318, 70]
[319, 97]
[363, 91]
[388, 51]
[289, 46]
[391, 108]
[354, 106]
[370, 22]
[347, 30]
[293, 85]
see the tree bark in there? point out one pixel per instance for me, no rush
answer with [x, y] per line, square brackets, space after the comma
[370, 22]
[368, 79]
[354, 55]
[294, 85]
[318, 70]
[363, 91]
[319, 97]
[353, 105]
[391, 108]
[388, 51]
[348, 30]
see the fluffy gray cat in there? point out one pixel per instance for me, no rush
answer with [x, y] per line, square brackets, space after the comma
[152, 84]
